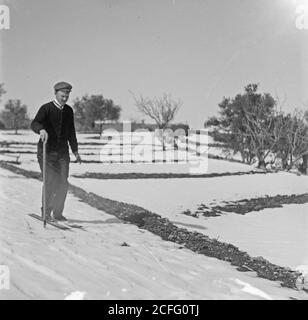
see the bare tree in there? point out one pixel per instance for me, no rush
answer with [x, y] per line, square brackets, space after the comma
[264, 133]
[285, 136]
[295, 141]
[162, 109]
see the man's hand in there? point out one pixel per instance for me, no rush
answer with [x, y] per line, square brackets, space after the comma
[43, 135]
[78, 158]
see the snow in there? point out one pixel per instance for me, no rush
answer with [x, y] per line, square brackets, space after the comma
[212, 166]
[28, 136]
[187, 193]
[143, 146]
[252, 290]
[55, 264]
[92, 264]
[278, 234]
[76, 295]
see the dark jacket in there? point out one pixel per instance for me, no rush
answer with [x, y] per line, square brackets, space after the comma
[60, 127]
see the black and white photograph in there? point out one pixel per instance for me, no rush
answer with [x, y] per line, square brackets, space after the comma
[154, 150]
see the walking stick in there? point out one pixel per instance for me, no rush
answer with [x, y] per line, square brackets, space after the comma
[44, 183]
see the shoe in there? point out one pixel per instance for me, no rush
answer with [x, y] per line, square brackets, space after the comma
[60, 218]
[50, 219]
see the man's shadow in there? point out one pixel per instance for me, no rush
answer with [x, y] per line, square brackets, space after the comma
[107, 221]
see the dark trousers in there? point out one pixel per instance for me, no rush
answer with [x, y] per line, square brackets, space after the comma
[57, 169]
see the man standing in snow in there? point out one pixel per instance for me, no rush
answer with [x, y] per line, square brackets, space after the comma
[54, 122]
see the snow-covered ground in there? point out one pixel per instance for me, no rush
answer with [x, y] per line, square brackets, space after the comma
[55, 264]
[172, 196]
[277, 234]
[137, 146]
[211, 166]
[28, 136]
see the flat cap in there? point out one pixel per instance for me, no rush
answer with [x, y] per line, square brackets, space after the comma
[62, 86]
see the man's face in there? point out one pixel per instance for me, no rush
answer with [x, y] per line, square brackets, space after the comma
[62, 96]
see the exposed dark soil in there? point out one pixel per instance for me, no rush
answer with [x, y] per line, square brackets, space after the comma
[138, 175]
[248, 205]
[7, 144]
[212, 156]
[17, 151]
[194, 241]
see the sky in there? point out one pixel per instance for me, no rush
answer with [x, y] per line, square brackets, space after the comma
[199, 51]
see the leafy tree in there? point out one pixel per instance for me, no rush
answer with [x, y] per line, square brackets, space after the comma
[2, 91]
[212, 121]
[89, 109]
[248, 123]
[15, 115]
